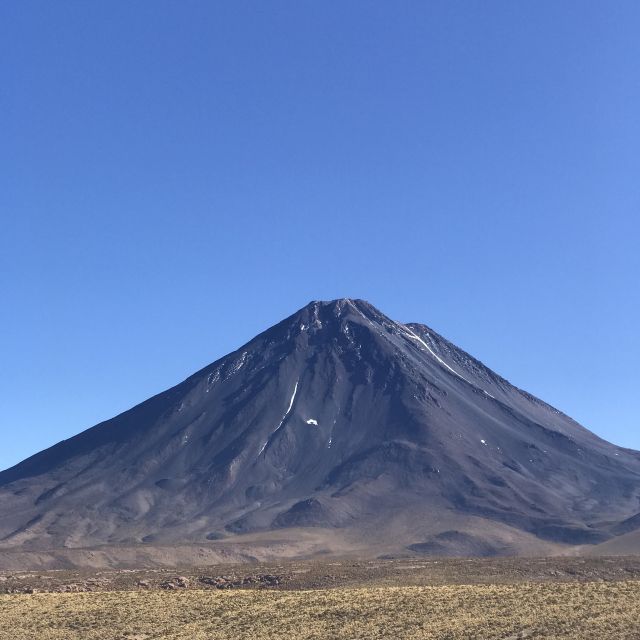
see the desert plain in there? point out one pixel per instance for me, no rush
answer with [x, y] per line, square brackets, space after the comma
[483, 599]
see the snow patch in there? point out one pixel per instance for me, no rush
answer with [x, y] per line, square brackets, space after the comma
[238, 364]
[316, 320]
[484, 442]
[312, 421]
[212, 378]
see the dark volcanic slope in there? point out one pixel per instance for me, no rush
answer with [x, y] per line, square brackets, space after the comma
[337, 417]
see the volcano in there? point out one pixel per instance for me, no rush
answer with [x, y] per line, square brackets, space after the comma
[337, 424]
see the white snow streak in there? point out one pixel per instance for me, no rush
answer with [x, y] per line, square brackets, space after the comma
[411, 334]
[312, 421]
[284, 417]
[365, 317]
[293, 397]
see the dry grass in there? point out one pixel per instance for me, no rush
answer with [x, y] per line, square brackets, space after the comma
[484, 612]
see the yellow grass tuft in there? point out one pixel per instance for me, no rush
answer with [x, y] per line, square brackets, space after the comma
[484, 612]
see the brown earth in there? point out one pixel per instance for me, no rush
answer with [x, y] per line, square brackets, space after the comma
[298, 576]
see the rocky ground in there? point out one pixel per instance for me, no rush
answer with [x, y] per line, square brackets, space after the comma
[294, 576]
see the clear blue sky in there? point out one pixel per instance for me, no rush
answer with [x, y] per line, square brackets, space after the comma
[177, 176]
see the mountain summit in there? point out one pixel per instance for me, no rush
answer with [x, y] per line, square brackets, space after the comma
[337, 421]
